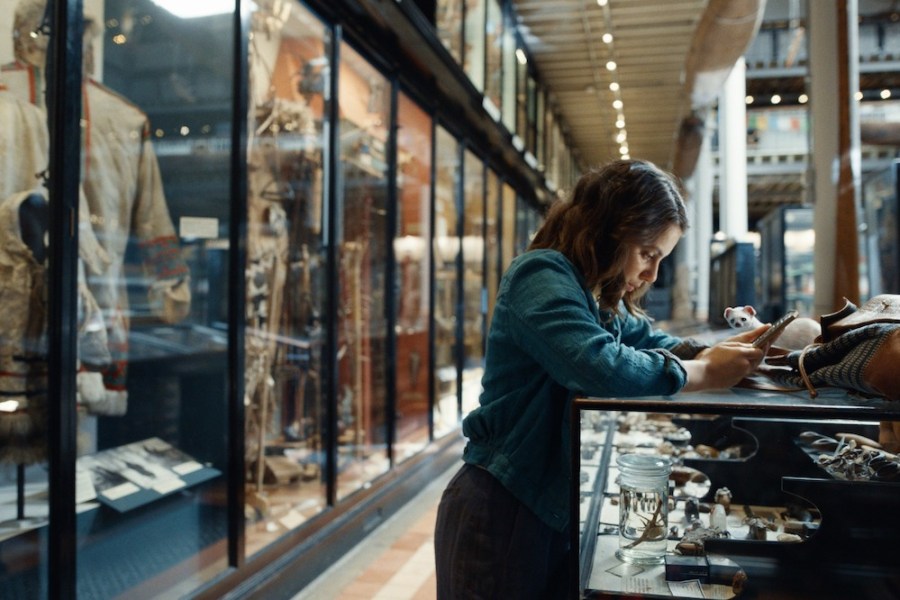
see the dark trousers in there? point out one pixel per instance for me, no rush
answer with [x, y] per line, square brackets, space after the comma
[488, 545]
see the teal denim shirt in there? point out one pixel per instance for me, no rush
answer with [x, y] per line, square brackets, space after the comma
[547, 344]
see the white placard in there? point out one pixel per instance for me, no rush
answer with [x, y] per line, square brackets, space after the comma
[168, 485]
[199, 227]
[120, 491]
[84, 487]
[686, 589]
[187, 467]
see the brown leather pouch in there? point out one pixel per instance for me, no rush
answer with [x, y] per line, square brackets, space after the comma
[884, 308]
[859, 350]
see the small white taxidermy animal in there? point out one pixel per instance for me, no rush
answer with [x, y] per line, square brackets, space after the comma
[742, 317]
[800, 333]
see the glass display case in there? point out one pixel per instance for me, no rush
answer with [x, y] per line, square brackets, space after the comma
[508, 226]
[492, 249]
[284, 426]
[787, 238]
[769, 494]
[24, 406]
[150, 371]
[365, 105]
[732, 278]
[473, 255]
[493, 47]
[555, 171]
[412, 277]
[474, 46]
[262, 283]
[508, 79]
[540, 128]
[880, 193]
[528, 221]
[449, 25]
[448, 175]
[522, 77]
[531, 115]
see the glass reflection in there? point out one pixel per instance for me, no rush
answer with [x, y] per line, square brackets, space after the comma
[446, 256]
[491, 243]
[508, 78]
[508, 216]
[448, 22]
[473, 57]
[152, 235]
[493, 33]
[531, 115]
[523, 224]
[285, 416]
[24, 146]
[473, 280]
[412, 276]
[521, 97]
[364, 102]
[540, 122]
[155, 175]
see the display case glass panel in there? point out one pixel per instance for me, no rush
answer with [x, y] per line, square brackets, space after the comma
[559, 156]
[524, 223]
[531, 115]
[285, 413]
[449, 26]
[414, 144]
[521, 93]
[446, 277]
[491, 244]
[552, 157]
[536, 220]
[493, 47]
[508, 78]
[474, 54]
[508, 219]
[540, 124]
[732, 280]
[24, 292]
[474, 306]
[882, 228]
[787, 280]
[151, 378]
[364, 99]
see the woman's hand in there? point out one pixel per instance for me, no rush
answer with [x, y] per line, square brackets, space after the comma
[749, 335]
[726, 363]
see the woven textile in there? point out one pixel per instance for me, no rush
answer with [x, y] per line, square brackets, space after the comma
[844, 362]
[859, 350]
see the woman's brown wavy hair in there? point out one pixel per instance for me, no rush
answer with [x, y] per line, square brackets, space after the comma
[621, 203]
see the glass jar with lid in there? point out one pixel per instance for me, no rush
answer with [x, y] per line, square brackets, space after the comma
[643, 508]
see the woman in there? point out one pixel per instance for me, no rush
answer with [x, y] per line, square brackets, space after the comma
[566, 323]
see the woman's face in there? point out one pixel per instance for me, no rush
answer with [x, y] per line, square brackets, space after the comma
[642, 263]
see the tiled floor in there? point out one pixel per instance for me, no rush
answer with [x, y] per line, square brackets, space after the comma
[395, 562]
